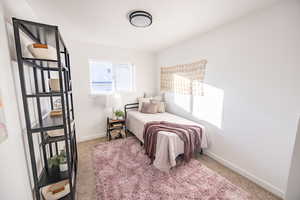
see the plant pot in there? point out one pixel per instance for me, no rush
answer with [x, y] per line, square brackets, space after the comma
[54, 171]
[119, 118]
[63, 167]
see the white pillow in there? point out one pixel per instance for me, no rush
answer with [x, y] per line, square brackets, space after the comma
[157, 98]
[43, 53]
[141, 100]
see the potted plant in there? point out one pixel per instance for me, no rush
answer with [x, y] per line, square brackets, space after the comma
[53, 164]
[119, 114]
[58, 162]
[63, 165]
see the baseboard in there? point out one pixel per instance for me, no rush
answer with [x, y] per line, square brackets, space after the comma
[274, 190]
[90, 137]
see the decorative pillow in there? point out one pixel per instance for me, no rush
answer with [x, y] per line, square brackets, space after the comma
[141, 100]
[42, 51]
[149, 108]
[161, 106]
[56, 190]
[157, 98]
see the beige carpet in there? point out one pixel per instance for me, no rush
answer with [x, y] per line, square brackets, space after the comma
[86, 180]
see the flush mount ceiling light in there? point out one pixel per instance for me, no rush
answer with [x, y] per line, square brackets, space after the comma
[140, 18]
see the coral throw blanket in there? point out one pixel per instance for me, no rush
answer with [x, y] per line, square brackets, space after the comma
[191, 136]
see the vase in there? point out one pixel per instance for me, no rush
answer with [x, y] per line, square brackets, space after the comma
[63, 167]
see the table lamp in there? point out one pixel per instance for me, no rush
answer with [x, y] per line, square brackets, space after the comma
[113, 102]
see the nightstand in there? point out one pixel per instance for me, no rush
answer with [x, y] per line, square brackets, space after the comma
[113, 125]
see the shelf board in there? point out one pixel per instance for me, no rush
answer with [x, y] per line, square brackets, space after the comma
[39, 59]
[116, 128]
[67, 197]
[48, 94]
[49, 139]
[47, 179]
[44, 94]
[31, 62]
[54, 177]
[49, 123]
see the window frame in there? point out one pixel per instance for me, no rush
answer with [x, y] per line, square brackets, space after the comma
[113, 68]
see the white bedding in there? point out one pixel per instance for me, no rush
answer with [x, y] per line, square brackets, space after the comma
[169, 145]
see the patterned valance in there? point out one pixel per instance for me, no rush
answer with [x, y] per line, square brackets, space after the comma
[183, 79]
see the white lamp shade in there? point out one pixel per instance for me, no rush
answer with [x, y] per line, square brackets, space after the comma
[114, 101]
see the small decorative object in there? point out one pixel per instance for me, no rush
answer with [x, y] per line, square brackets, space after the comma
[54, 84]
[56, 191]
[3, 131]
[59, 160]
[42, 51]
[140, 18]
[119, 114]
[57, 104]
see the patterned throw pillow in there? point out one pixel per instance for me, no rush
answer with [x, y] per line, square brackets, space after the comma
[149, 108]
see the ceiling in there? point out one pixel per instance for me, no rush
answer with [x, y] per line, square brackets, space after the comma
[105, 21]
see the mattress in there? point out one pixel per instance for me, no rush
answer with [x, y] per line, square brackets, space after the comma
[169, 145]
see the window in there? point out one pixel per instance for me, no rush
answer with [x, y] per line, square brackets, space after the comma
[106, 77]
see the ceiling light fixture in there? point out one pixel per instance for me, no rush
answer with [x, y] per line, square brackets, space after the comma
[140, 18]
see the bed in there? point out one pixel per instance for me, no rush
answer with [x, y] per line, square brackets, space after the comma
[169, 145]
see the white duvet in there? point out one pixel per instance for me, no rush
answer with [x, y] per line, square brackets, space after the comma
[169, 145]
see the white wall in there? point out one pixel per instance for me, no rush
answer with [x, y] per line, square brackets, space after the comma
[14, 181]
[293, 192]
[254, 62]
[90, 110]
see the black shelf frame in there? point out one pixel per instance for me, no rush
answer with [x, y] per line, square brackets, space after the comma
[41, 72]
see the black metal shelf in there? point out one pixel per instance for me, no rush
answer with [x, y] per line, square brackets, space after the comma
[41, 73]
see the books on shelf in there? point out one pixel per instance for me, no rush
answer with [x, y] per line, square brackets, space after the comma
[56, 113]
